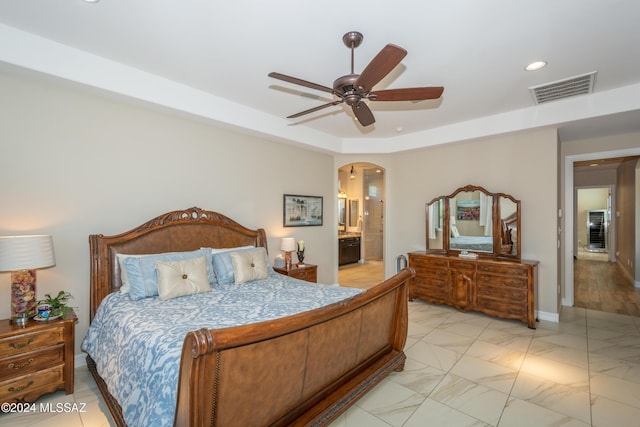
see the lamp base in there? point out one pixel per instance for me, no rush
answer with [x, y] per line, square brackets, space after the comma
[23, 295]
[20, 321]
[287, 259]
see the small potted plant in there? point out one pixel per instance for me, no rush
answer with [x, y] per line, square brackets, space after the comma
[57, 306]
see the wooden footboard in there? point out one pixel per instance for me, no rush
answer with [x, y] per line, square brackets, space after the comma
[301, 370]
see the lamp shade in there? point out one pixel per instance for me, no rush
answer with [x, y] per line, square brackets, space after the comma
[26, 252]
[288, 244]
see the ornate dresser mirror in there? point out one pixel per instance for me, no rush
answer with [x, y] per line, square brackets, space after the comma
[472, 219]
[472, 258]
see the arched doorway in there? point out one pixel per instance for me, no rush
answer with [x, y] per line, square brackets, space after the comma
[361, 225]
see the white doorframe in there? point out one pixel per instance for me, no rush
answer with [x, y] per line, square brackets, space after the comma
[569, 207]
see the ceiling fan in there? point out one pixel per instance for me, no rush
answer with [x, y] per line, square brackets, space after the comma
[355, 88]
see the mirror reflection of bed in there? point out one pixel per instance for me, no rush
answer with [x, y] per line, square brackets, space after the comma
[471, 222]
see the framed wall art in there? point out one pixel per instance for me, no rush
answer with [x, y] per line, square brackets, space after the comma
[301, 211]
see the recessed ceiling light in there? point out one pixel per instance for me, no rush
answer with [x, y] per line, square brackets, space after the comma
[91, 1]
[535, 65]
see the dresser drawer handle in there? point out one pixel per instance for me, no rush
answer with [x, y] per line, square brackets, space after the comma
[21, 345]
[21, 365]
[21, 388]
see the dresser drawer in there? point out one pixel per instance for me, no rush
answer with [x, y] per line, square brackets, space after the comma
[462, 265]
[502, 308]
[503, 281]
[31, 386]
[429, 289]
[33, 361]
[417, 261]
[434, 273]
[27, 342]
[505, 270]
[509, 295]
[302, 274]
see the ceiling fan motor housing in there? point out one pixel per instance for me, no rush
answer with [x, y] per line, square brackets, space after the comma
[345, 86]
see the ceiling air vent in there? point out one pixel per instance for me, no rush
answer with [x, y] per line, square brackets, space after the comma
[578, 85]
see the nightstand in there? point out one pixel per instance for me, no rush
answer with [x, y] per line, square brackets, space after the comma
[37, 358]
[309, 272]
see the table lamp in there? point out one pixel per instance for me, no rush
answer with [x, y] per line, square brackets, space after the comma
[22, 255]
[288, 245]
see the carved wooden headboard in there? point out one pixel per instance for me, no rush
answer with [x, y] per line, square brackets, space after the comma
[175, 231]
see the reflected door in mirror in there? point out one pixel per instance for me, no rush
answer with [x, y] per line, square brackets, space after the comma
[435, 213]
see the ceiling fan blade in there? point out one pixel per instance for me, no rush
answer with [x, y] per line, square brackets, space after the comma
[363, 113]
[311, 110]
[301, 82]
[385, 61]
[407, 94]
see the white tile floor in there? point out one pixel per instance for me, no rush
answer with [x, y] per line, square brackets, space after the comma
[468, 369]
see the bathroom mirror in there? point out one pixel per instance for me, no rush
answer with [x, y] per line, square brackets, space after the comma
[342, 214]
[472, 219]
[354, 212]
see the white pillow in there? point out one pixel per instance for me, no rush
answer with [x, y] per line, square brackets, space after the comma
[180, 278]
[249, 266]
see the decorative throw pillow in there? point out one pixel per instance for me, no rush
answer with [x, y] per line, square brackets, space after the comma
[141, 271]
[180, 278]
[223, 266]
[249, 266]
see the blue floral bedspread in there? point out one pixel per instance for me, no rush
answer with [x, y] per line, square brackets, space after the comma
[137, 344]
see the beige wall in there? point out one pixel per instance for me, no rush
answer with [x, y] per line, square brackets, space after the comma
[74, 164]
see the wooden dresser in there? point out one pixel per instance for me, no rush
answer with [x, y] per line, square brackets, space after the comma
[36, 359]
[309, 272]
[500, 288]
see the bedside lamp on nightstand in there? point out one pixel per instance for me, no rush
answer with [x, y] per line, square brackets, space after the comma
[22, 255]
[288, 245]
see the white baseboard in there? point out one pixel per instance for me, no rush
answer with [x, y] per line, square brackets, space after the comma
[549, 317]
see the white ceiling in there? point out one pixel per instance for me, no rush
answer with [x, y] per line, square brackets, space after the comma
[211, 59]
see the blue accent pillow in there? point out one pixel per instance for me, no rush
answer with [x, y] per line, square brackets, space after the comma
[142, 275]
[223, 266]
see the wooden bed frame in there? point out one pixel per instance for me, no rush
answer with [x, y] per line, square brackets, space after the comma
[304, 369]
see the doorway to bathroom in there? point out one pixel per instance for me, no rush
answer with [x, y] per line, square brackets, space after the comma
[361, 226]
